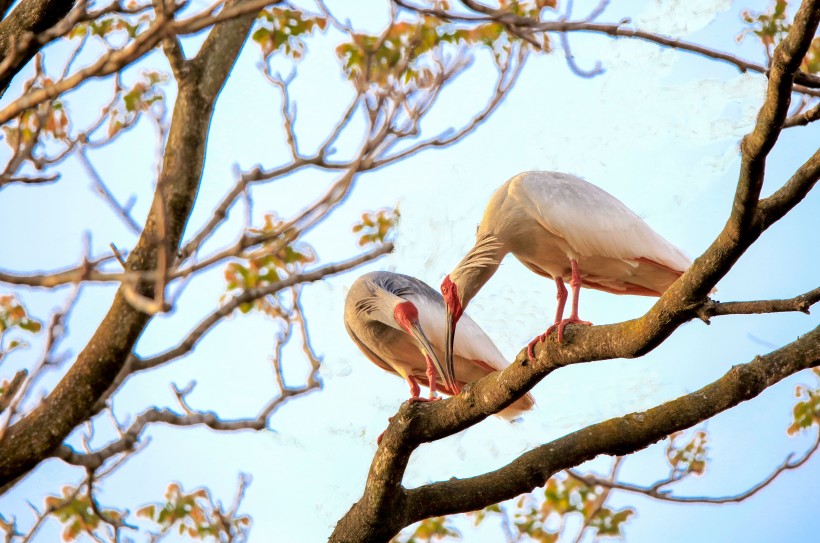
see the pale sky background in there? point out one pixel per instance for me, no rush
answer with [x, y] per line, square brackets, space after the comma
[659, 130]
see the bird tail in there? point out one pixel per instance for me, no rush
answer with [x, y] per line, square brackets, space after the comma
[516, 409]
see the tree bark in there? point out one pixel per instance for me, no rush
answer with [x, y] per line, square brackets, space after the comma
[33, 16]
[389, 507]
[386, 506]
[33, 438]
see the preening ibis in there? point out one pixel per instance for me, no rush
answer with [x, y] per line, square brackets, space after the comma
[397, 321]
[564, 228]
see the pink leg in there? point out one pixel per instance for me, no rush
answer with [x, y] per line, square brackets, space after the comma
[561, 295]
[561, 323]
[415, 391]
[575, 283]
[414, 387]
[431, 378]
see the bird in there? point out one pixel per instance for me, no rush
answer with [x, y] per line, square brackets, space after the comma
[566, 229]
[397, 322]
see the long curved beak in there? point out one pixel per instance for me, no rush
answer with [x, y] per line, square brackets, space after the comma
[424, 343]
[449, 339]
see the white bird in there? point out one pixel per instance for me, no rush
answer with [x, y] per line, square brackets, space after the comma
[564, 228]
[397, 321]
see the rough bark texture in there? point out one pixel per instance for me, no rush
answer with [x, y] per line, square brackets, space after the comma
[386, 507]
[71, 403]
[380, 515]
[33, 16]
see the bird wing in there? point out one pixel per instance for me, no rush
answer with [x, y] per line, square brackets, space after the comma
[592, 221]
[373, 357]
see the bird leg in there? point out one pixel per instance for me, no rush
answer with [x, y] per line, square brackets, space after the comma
[431, 377]
[561, 295]
[575, 283]
[561, 323]
[415, 390]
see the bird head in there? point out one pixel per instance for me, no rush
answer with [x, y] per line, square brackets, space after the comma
[407, 317]
[454, 310]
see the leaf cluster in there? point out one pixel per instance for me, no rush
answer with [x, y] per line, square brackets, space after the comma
[77, 514]
[137, 100]
[283, 29]
[375, 226]
[271, 262]
[807, 411]
[194, 514]
[14, 315]
[772, 26]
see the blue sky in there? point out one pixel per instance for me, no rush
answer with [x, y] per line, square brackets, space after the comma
[660, 130]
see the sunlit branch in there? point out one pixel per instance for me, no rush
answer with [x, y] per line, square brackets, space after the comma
[787, 465]
[802, 119]
[524, 24]
[775, 207]
[116, 59]
[589, 514]
[755, 146]
[626, 434]
[54, 333]
[506, 79]
[253, 294]
[800, 303]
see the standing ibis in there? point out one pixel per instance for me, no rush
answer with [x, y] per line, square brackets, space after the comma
[397, 321]
[564, 228]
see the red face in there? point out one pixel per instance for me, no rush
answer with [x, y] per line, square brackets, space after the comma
[405, 314]
[450, 293]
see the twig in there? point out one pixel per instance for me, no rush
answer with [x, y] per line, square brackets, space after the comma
[102, 190]
[653, 492]
[800, 303]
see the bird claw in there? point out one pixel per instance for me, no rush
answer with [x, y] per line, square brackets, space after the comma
[414, 399]
[563, 324]
[531, 345]
[560, 326]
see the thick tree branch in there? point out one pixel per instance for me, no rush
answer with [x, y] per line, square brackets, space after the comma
[755, 146]
[30, 16]
[385, 507]
[617, 436]
[34, 437]
[136, 364]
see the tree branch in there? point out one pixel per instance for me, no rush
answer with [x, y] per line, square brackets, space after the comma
[800, 303]
[30, 16]
[755, 146]
[386, 507]
[136, 364]
[616, 30]
[787, 465]
[71, 402]
[619, 436]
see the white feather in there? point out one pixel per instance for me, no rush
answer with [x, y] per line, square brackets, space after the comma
[592, 221]
[471, 341]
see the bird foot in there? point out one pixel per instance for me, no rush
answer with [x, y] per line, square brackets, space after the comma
[538, 339]
[563, 324]
[560, 326]
[414, 399]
